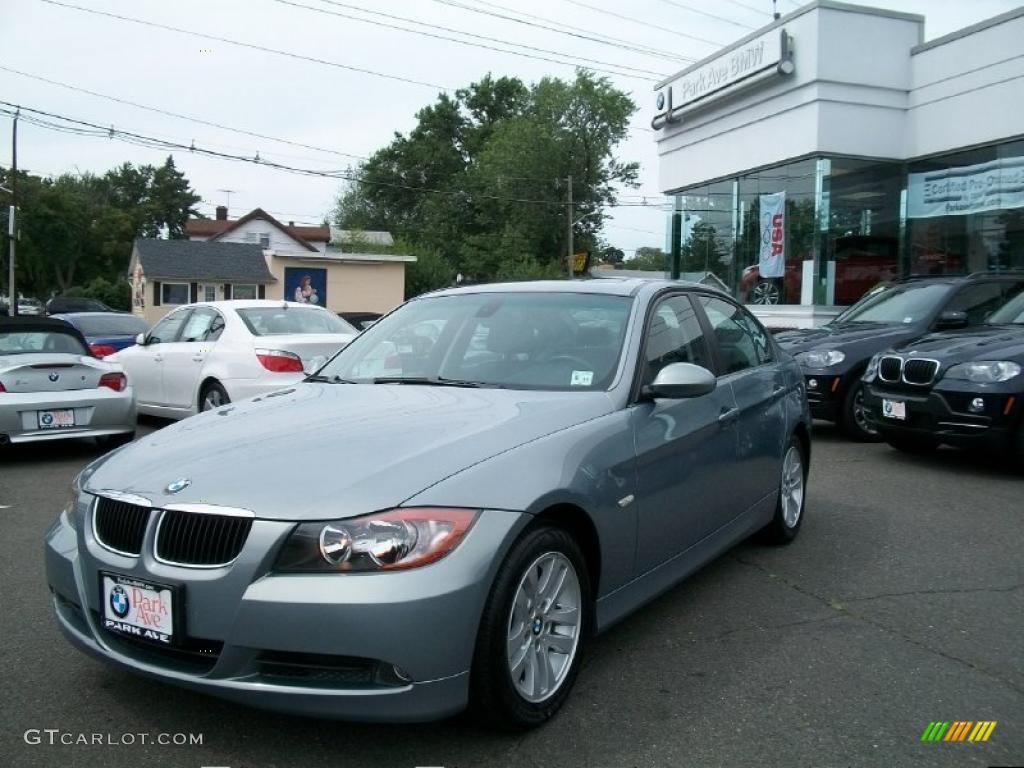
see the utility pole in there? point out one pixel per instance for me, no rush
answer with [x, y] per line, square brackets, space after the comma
[12, 226]
[570, 220]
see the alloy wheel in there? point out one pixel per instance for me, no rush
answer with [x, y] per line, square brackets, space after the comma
[792, 486]
[860, 414]
[766, 293]
[544, 627]
[214, 398]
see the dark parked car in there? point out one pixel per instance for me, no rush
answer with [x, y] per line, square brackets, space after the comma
[835, 356]
[62, 305]
[964, 388]
[555, 456]
[360, 320]
[106, 332]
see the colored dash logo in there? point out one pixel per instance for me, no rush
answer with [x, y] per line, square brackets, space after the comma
[958, 730]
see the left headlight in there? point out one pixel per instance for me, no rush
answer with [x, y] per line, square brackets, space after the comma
[385, 541]
[984, 372]
[821, 358]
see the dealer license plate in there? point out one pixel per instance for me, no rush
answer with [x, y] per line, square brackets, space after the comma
[138, 609]
[894, 409]
[56, 419]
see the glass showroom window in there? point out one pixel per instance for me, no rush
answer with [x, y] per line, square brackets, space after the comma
[174, 293]
[965, 211]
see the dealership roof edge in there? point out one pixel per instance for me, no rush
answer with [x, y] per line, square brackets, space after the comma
[833, 5]
[969, 30]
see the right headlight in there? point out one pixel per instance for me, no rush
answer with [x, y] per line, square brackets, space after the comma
[384, 541]
[985, 371]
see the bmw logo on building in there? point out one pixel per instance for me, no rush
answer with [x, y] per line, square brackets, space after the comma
[119, 601]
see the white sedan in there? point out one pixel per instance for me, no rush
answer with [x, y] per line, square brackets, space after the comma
[203, 355]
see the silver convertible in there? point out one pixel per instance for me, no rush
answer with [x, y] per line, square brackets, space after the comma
[447, 511]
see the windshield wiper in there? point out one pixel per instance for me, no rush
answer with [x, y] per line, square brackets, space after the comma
[431, 381]
[328, 379]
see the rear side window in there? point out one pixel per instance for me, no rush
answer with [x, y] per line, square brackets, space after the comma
[203, 325]
[39, 341]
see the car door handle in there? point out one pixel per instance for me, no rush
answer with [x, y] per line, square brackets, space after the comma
[199, 358]
[729, 416]
[158, 358]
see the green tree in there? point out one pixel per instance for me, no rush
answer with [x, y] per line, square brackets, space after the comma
[481, 179]
[648, 259]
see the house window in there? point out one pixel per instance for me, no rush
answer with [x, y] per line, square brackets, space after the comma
[174, 293]
[263, 238]
[243, 292]
[209, 293]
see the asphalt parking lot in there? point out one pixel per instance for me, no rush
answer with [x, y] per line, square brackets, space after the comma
[900, 603]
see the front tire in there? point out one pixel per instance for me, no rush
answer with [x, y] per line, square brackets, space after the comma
[533, 631]
[766, 292]
[789, 510]
[213, 396]
[854, 420]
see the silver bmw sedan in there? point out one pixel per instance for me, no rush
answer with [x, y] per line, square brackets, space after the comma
[447, 511]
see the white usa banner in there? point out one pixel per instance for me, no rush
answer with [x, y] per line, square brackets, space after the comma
[772, 259]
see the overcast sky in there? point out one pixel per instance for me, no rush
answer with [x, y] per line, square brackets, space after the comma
[330, 107]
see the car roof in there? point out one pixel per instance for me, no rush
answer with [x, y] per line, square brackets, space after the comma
[610, 286]
[92, 313]
[251, 304]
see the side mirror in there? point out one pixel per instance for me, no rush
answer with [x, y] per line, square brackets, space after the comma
[681, 380]
[141, 339]
[951, 318]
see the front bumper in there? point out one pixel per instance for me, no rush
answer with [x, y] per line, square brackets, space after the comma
[294, 643]
[98, 412]
[945, 416]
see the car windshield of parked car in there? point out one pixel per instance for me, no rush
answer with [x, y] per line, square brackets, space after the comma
[904, 303]
[38, 342]
[1011, 313]
[279, 321]
[521, 340]
[110, 325]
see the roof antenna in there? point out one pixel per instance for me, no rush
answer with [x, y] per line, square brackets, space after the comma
[775, 9]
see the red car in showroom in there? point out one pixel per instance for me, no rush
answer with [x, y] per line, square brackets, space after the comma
[861, 263]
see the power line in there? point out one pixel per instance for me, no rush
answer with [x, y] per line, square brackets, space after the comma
[86, 128]
[715, 16]
[472, 35]
[643, 23]
[749, 7]
[562, 30]
[253, 46]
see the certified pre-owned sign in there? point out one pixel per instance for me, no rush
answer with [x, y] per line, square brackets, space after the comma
[762, 54]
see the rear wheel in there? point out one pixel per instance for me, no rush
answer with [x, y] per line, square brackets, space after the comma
[789, 510]
[213, 396]
[532, 631]
[766, 292]
[855, 417]
[913, 444]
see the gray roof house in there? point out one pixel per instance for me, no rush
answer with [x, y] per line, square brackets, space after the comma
[166, 273]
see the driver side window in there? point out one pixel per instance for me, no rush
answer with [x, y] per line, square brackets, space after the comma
[167, 329]
[674, 335]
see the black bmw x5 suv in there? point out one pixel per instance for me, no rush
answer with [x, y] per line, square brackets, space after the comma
[964, 388]
[835, 356]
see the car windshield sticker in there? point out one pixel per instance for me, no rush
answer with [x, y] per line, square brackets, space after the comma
[581, 378]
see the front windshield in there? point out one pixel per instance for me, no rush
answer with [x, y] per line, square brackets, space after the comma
[552, 341]
[904, 303]
[1012, 312]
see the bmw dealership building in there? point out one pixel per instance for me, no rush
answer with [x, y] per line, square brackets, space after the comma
[834, 149]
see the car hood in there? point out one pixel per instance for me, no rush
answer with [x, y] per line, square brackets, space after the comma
[857, 340]
[997, 342]
[322, 451]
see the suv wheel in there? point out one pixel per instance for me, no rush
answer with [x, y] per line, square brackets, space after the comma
[854, 416]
